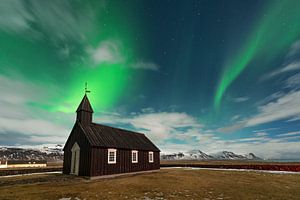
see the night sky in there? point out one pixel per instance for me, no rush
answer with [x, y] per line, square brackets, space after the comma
[208, 75]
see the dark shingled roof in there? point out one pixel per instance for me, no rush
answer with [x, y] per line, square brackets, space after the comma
[110, 137]
[85, 105]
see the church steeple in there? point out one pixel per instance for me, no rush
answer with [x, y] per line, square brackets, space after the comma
[85, 111]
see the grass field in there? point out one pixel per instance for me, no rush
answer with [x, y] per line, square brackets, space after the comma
[176, 183]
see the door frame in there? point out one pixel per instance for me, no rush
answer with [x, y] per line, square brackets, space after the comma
[75, 159]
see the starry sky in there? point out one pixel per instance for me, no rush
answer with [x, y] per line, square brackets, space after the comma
[211, 75]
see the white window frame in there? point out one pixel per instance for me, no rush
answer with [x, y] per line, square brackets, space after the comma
[115, 156]
[151, 157]
[137, 156]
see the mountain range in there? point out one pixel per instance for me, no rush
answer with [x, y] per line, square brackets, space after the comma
[52, 154]
[199, 155]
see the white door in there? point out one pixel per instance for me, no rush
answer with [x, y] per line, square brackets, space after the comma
[75, 159]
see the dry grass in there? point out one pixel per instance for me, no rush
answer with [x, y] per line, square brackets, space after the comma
[165, 184]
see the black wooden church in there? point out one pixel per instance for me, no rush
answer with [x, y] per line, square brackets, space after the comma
[96, 150]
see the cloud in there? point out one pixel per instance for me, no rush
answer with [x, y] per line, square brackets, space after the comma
[30, 126]
[294, 50]
[25, 122]
[289, 67]
[289, 134]
[110, 52]
[145, 65]
[261, 134]
[264, 147]
[293, 82]
[291, 62]
[106, 52]
[157, 125]
[235, 117]
[278, 106]
[240, 99]
[293, 119]
[287, 106]
[232, 128]
[265, 130]
[60, 21]
[180, 132]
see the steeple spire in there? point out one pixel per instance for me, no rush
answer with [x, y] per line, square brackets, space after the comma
[84, 110]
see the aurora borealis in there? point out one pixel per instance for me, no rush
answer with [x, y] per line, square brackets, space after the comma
[274, 25]
[208, 75]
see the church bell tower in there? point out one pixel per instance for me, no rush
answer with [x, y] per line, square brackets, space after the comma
[84, 110]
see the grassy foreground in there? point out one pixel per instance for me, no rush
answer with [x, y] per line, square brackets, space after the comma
[165, 184]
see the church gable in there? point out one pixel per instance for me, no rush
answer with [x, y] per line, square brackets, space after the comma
[76, 135]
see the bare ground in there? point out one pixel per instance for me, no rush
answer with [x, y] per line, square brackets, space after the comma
[165, 184]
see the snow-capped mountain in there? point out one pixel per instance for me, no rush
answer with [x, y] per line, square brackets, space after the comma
[47, 153]
[228, 155]
[199, 155]
[251, 156]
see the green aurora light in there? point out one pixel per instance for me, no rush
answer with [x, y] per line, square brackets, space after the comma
[44, 66]
[278, 28]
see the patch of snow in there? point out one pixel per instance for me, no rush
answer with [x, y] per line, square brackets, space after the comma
[38, 173]
[69, 198]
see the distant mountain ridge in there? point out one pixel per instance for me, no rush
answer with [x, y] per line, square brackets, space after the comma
[200, 155]
[54, 154]
[47, 153]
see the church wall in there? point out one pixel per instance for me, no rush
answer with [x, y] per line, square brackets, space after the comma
[100, 166]
[78, 136]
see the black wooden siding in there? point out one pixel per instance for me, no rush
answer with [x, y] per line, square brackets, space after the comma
[94, 160]
[78, 136]
[100, 166]
[94, 141]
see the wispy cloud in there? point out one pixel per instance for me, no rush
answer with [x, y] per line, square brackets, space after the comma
[106, 52]
[287, 106]
[60, 21]
[240, 99]
[18, 119]
[294, 50]
[287, 68]
[261, 134]
[174, 132]
[265, 130]
[145, 65]
[232, 128]
[235, 117]
[289, 134]
[280, 106]
[110, 52]
[157, 125]
[293, 82]
[291, 63]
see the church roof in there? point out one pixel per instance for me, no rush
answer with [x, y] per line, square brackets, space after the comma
[110, 137]
[85, 105]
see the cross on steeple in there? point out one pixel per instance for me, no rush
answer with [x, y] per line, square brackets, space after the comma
[84, 110]
[86, 90]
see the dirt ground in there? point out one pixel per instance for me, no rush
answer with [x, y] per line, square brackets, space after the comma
[178, 183]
